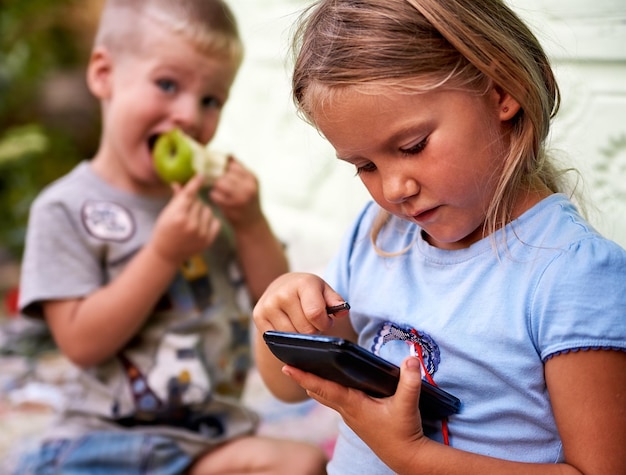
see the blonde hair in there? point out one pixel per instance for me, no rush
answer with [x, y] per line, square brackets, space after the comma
[209, 24]
[416, 46]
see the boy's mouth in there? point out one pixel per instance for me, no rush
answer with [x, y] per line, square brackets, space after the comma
[151, 141]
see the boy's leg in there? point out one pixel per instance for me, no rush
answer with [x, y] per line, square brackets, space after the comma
[106, 452]
[262, 455]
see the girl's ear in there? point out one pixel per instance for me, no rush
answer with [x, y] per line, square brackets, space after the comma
[100, 73]
[508, 107]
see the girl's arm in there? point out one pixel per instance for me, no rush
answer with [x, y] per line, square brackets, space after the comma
[588, 394]
[92, 329]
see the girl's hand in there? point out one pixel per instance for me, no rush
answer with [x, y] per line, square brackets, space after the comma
[391, 427]
[296, 302]
[186, 225]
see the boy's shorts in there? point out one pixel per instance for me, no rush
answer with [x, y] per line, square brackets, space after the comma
[107, 453]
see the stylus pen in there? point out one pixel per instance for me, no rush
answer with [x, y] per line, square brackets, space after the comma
[337, 308]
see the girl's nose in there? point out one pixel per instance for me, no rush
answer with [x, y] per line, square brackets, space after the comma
[398, 187]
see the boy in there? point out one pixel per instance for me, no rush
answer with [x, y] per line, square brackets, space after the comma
[142, 285]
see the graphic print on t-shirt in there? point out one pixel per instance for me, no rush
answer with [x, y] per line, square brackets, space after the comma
[420, 344]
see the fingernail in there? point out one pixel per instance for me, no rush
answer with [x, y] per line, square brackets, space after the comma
[413, 363]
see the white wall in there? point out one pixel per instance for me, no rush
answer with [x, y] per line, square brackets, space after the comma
[310, 197]
[586, 40]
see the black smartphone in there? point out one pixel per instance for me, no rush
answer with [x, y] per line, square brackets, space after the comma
[353, 366]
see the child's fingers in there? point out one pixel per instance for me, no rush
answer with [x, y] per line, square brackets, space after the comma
[410, 384]
[191, 188]
[324, 391]
[186, 196]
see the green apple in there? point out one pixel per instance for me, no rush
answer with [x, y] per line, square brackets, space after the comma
[178, 157]
[173, 157]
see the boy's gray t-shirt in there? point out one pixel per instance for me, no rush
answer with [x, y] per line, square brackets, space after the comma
[193, 351]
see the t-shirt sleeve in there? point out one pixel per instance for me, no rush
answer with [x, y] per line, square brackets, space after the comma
[337, 273]
[58, 262]
[580, 300]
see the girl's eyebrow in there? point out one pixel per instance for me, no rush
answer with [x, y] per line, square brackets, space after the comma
[351, 156]
[347, 159]
[412, 130]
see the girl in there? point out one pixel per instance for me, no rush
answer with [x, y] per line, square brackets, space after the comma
[471, 268]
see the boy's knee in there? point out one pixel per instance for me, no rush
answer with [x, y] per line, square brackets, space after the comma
[313, 460]
[260, 455]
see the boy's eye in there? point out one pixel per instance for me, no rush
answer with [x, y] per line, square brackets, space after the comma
[211, 102]
[166, 85]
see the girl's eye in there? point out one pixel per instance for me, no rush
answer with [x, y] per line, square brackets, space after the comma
[166, 85]
[415, 149]
[367, 168]
[211, 102]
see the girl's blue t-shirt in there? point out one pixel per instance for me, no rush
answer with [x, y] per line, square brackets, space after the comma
[484, 321]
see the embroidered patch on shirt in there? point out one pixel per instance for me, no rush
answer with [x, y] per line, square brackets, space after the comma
[108, 221]
[420, 344]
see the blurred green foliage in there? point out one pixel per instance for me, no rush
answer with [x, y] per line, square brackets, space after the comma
[37, 141]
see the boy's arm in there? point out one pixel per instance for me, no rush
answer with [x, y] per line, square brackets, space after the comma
[94, 328]
[260, 254]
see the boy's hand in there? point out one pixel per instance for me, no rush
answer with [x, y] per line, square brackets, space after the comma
[236, 193]
[186, 225]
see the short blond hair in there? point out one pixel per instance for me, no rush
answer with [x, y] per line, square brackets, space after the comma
[209, 24]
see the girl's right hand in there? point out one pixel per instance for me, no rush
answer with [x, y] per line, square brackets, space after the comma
[187, 225]
[296, 302]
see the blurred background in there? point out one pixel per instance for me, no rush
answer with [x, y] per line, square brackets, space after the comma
[49, 122]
